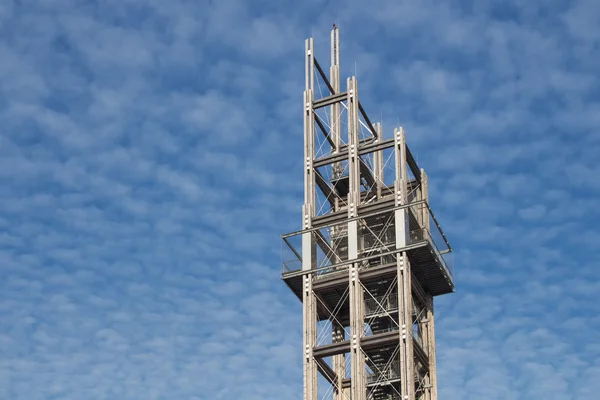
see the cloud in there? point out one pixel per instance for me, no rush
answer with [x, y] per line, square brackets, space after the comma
[151, 156]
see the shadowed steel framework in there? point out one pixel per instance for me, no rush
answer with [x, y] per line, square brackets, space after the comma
[370, 257]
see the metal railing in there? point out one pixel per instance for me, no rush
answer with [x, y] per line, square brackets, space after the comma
[330, 243]
[391, 372]
[391, 328]
[444, 256]
[388, 396]
[381, 304]
[416, 333]
[384, 240]
[291, 253]
[444, 253]
[291, 265]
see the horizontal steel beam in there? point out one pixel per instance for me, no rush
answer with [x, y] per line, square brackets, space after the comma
[330, 219]
[368, 211]
[327, 282]
[412, 246]
[332, 349]
[364, 211]
[329, 100]
[367, 343]
[343, 155]
[332, 91]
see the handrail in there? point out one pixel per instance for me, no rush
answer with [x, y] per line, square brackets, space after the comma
[362, 216]
[439, 254]
[347, 263]
[390, 371]
[375, 244]
[400, 207]
[381, 303]
[438, 226]
[292, 249]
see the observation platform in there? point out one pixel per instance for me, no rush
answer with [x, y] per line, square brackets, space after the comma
[431, 267]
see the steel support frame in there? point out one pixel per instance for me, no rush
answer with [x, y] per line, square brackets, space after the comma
[429, 323]
[407, 292]
[357, 376]
[337, 331]
[309, 301]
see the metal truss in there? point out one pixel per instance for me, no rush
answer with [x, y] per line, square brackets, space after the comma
[366, 264]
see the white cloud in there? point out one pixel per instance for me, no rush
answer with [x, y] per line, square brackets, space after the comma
[151, 155]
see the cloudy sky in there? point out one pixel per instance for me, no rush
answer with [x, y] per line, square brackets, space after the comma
[151, 154]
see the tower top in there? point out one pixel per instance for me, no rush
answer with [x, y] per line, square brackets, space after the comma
[365, 259]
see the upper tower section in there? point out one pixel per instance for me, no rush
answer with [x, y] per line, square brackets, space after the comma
[353, 172]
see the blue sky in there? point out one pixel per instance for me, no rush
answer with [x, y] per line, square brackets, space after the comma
[151, 155]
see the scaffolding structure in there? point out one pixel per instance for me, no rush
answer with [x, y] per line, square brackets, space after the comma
[371, 255]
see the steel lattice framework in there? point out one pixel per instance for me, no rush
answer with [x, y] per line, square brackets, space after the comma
[370, 256]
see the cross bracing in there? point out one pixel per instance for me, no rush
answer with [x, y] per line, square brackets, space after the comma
[370, 256]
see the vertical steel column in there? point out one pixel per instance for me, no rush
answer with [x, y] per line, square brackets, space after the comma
[424, 327]
[338, 361]
[406, 338]
[430, 314]
[309, 137]
[431, 345]
[358, 381]
[309, 309]
[378, 161]
[309, 302]
[425, 196]
[404, 271]
[335, 118]
[353, 144]
[400, 189]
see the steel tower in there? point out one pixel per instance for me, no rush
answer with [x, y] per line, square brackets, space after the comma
[370, 257]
